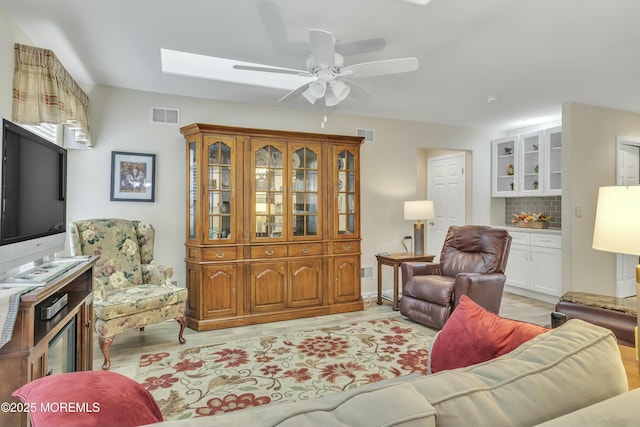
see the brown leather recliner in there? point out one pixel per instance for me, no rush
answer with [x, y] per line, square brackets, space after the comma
[472, 263]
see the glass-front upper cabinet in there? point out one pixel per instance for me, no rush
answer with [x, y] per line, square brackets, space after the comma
[347, 203]
[269, 192]
[553, 161]
[504, 176]
[531, 162]
[305, 190]
[220, 158]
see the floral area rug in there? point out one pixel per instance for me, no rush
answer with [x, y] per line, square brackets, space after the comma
[301, 365]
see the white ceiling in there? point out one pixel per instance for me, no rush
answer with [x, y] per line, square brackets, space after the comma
[532, 54]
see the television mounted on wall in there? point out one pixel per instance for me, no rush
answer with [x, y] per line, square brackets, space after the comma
[33, 197]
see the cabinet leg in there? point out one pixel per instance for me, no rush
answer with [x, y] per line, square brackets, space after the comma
[105, 346]
[183, 324]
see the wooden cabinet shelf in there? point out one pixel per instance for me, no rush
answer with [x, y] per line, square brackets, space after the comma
[30, 354]
[273, 229]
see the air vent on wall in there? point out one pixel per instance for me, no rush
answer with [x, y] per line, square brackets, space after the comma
[366, 272]
[367, 133]
[168, 116]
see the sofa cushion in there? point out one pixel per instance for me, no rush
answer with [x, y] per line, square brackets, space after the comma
[136, 299]
[619, 411]
[88, 398]
[560, 371]
[474, 335]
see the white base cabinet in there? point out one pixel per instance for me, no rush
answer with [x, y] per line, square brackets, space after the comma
[535, 262]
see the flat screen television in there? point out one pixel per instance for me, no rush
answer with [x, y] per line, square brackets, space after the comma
[33, 197]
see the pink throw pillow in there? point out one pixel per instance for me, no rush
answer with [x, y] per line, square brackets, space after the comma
[87, 399]
[474, 335]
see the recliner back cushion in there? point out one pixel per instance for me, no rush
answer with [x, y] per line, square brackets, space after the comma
[474, 249]
[116, 242]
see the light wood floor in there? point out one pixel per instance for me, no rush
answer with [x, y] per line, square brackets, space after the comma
[129, 346]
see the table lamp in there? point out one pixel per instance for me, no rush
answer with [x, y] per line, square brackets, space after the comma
[418, 210]
[617, 224]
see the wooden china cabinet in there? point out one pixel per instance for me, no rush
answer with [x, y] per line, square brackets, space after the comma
[273, 225]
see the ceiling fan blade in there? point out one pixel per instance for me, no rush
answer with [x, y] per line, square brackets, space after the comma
[380, 68]
[272, 70]
[322, 47]
[272, 19]
[360, 46]
[364, 88]
[294, 93]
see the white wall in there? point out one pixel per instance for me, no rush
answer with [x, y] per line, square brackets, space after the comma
[120, 121]
[589, 162]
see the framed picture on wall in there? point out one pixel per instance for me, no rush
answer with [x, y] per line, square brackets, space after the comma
[133, 177]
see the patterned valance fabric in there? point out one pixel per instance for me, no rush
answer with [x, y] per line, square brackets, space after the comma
[44, 92]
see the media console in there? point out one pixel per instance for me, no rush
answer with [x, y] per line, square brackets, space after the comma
[62, 343]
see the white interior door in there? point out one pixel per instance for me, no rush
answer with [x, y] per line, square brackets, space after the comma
[447, 189]
[628, 173]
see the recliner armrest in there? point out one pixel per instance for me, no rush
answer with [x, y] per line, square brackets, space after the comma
[155, 274]
[410, 269]
[484, 289]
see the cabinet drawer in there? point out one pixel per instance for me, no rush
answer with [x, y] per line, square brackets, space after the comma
[547, 240]
[305, 249]
[219, 254]
[271, 251]
[346, 247]
[519, 238]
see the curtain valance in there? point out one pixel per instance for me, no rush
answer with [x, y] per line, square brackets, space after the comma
[44, 92]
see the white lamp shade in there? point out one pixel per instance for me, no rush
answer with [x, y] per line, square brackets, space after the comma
[418, 209]
[617, 224]
[308, 94]
[318, 88]
[340, 89]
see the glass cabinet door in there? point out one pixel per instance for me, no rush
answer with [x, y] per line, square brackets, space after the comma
[346, 193]
[530, 173]
[305, 184]
[220, 189]
[268, 191]
[193, 192]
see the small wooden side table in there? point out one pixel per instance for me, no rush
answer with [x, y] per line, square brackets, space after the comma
[394, 260]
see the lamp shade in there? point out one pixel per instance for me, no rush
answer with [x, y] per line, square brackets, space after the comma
[617, 224]
[418, 209]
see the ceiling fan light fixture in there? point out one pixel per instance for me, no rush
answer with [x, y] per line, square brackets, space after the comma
[340, 89]
[318, 88]
[308, 94]
[330, 99]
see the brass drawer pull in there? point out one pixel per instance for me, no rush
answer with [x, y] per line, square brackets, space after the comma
[219, 254]
[305, 250]
[346, 247]
[268, 252]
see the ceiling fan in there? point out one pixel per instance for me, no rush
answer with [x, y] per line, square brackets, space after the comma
[330, 72]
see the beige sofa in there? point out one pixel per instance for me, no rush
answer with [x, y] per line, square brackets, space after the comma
[564, 370]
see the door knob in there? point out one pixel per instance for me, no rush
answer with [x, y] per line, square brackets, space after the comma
[432, 223]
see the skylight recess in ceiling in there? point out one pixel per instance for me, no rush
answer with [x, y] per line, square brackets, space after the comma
[214, 68]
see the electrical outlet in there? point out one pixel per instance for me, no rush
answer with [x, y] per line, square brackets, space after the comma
[578, 212]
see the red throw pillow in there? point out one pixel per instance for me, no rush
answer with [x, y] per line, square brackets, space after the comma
[474, 335]
[88, 398]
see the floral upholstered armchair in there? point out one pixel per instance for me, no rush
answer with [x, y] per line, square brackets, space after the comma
[130, 291]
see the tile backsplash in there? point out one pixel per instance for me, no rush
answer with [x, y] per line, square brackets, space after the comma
[548, 205]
